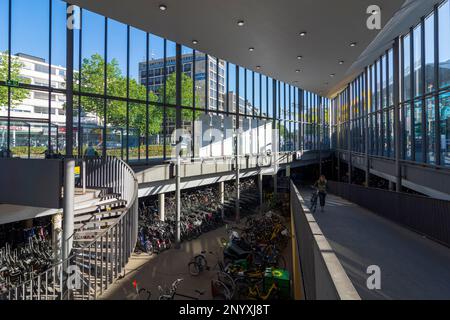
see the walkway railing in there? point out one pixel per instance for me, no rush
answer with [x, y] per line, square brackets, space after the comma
[323, 277]
[427, 216]
[95, 264]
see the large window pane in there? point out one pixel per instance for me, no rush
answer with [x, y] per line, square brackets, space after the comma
[171, 75]
[408, 132]
[117, 59]
[93, 50]
[138, 64]
[431, 130]
[407, 68]
[418, 60]
[187, 56]
[155, 80]
[429, 54]
[444, 45]
[444, 106]
[200, 80]
[418, 134]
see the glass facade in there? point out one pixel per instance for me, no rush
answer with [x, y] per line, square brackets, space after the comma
[366, 107]
[125, 88]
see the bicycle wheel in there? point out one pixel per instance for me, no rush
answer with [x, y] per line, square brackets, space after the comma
[194, 269]
[220, 290]
[226, 279]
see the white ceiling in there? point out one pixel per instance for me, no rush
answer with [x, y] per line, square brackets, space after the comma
[272, 27]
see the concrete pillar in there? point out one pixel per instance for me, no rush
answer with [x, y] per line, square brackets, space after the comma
[68, 215]
[162, 206]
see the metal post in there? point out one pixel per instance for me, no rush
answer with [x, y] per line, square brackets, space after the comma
[238, 191]
[68, 215]
[84, 176]
[349, 136]
[397, 127]
[366, 127]
[178, 202]
[162, 206]
[69, 85]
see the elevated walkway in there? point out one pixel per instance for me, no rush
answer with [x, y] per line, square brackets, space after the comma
[412, 266]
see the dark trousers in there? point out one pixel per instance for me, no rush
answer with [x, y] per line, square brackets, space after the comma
[322, 197]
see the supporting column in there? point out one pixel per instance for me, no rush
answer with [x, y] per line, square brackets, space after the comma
[68, 215]
[162, 207]
[178, 203]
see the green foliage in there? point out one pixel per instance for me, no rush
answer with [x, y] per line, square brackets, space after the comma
[92, 74]
[17, 95]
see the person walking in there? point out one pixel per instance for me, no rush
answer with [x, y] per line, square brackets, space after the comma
[321, 186]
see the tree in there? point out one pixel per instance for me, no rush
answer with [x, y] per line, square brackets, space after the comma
[17, 94]
[92, 74]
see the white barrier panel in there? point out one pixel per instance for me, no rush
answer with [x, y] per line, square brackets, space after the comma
[206, 136]
[245, 137]
[268, 132]
[228, 136]
[262, 136]
[254, 141]
[217, 136]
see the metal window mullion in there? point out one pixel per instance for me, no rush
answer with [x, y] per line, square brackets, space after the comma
[80, 52]
[413, 104]
[147, 97]
[128, 98]
[422, 86]
[49, 146]
[105, 89]
[8, 138]
[165, 101]
[194, 104]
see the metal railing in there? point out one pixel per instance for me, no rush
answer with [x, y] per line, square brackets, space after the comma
[95, 263]
[427, 216]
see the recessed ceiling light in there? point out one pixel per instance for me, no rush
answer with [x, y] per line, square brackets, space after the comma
[297, 70]
[303, 33]
[194, 42]
[341, 62]
[332, 75]
[251, 49]
[241, 23]
[353, 44]
[162, 7]
[258, 67]
[299, 57]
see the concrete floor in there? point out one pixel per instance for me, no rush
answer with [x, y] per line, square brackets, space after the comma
[412, 267]
[164, 269]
